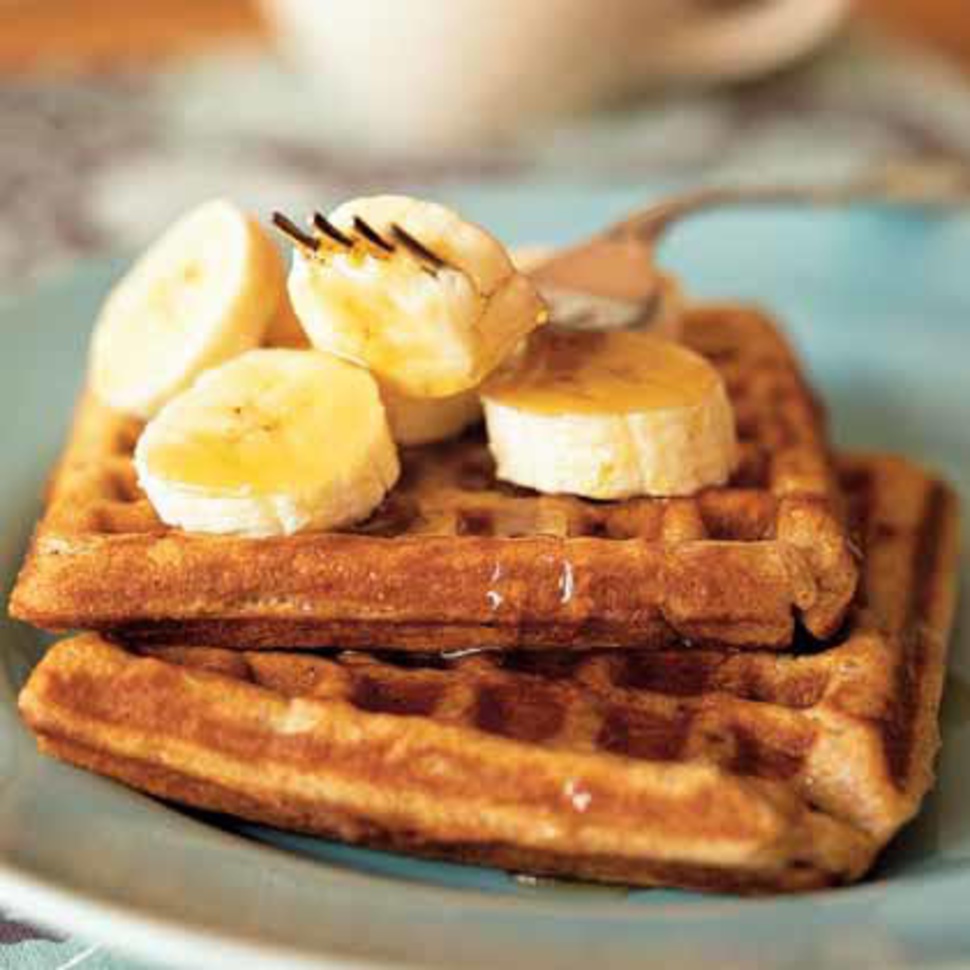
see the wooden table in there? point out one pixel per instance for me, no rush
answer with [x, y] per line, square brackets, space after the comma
[94, 34]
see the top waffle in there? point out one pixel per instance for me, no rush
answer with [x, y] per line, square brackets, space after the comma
[456, 559]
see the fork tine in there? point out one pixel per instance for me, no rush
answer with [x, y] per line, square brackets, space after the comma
[372, 235]
[324, 225]
[294, 233]
[416, 247]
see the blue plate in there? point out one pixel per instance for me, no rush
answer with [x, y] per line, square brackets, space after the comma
[879, 302]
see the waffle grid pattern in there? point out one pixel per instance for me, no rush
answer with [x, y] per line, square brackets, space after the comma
[452, 489]
[781, 512]
[752, 714]
[705, 706]
[715, 769]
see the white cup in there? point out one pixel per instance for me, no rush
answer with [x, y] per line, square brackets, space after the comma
[427, 76]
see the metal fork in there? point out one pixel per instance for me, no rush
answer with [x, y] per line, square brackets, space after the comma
[612, 280]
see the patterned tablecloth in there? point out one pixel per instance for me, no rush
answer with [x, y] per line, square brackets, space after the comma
[102, 164]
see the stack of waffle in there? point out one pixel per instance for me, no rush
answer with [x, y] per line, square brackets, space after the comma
[734, 691]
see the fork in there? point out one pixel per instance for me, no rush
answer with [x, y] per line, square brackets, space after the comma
[611, 279]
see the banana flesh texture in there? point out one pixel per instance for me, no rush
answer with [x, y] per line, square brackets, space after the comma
[428, 302]
[425, 420]
[610, 415]
[413, 420]
[272, 443]
[202, 294]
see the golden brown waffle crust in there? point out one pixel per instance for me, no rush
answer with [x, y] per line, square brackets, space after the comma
[455, 559]
[718, 770]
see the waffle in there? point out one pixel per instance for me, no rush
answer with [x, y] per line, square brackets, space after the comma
[456, 559]
[721, 770]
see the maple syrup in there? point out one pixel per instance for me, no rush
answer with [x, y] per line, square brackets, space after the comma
[595, 373]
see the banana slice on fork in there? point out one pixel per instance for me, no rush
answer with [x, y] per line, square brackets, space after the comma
[424, 420]
[427, 301]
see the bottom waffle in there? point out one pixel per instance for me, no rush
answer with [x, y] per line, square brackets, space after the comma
[734, 771]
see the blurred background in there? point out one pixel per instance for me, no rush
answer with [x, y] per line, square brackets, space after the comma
[115, 116]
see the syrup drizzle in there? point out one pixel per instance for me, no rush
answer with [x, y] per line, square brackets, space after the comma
[494, 597]
[567, 583]
[578, 796]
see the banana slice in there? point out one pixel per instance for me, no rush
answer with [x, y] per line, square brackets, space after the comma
[610, 415]
[424, 420]
[271, 443]
[204, 292]
[427, 301]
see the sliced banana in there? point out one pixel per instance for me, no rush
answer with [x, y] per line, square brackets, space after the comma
[271, 443]
[610, 415]
[424, 420]
[202, 293]
[427, 301]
